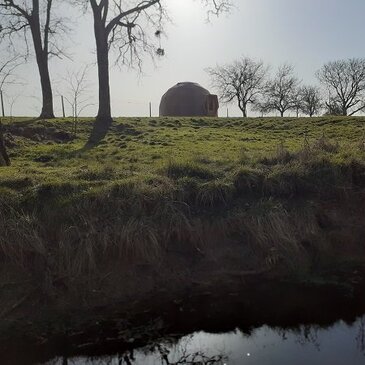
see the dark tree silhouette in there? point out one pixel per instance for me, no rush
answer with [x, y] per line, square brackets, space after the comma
[242, 81]
[18, 19]
[7, 77]
[129, 28]
[310, 100]
[281, 92]
[345, 81]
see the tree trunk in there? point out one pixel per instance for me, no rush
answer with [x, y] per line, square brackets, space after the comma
[103, 118]
[2, 103]
[47, 95]
[243, 108]
[282, 113]
[344, 109]
[4, 158]
[42, 62]
[104, 112]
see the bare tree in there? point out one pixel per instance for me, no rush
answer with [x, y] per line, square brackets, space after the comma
[297, 102]
[7, 78]
[333, 107]
[78, 96]
[260, 108]
[345, 81]
[241, 81]
[281, 92]
[18, 18]
[310, 100]
[131, 28]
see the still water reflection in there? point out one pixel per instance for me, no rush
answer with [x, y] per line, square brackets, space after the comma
[341, 344]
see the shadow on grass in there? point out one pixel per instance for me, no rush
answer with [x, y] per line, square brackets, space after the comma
[100, 129]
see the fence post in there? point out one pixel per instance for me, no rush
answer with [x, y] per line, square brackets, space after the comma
[63, 106]
[2, 104]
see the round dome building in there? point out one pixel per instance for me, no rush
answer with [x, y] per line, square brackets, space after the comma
[188, 99]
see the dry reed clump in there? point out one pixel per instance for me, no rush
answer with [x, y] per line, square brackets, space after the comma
[139, 225]
[308, 152]
[248, 180]
[187, 189]
[214, 193]
[312, 151]
[21, 240]
[283, 155]
[325, 144]
[288, 181]
[278, 235]
[361, 144]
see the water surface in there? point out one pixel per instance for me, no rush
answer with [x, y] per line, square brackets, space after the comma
[340, 344]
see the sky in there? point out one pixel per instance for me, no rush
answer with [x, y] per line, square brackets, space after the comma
[304, 33]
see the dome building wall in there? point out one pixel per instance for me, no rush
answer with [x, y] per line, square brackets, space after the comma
[188, 99]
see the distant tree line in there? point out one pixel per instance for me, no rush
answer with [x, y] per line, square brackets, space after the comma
[247, 82]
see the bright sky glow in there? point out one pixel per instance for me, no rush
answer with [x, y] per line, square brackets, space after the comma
[304, 33]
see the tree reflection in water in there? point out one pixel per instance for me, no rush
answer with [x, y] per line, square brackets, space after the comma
[180, 357]
[360, 338]
[188, 351]
[186, 358]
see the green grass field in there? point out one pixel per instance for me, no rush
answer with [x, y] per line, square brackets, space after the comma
[252, 194]
[142, 148]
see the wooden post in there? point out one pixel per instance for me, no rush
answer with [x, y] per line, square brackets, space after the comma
[63, 106]
[3, 154]
[150, 109]
[2, 104]
[75, 117]
[227, 113]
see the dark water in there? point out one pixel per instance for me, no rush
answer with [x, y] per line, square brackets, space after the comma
[281, 324]
[340, 344]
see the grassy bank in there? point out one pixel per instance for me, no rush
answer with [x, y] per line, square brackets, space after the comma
[168, 202]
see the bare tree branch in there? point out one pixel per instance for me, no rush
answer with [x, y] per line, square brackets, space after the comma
[281, 92]
[7, 68]
[18, 20]
[345, 82]
[241, 80]
[310, 100]
[131, 28]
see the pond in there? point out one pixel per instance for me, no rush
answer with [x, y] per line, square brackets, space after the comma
[340, 344]
[271, 324]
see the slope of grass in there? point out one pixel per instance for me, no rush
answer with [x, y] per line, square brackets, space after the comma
[252, 195]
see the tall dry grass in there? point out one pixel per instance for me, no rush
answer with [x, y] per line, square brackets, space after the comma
[61, 232]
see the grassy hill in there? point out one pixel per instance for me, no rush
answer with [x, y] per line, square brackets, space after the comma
[48, 150]
[170, 201]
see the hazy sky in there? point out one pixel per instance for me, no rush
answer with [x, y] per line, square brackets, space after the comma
[306, 33]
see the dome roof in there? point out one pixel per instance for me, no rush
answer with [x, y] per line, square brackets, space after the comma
[184, 99]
